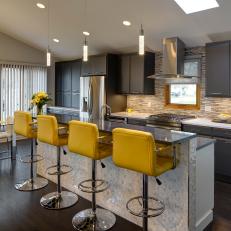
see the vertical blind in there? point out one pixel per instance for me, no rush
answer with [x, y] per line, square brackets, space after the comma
[18, 84]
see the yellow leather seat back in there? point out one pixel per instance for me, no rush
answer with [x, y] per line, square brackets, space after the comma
[134, 150]
[83, 139]
[48, 129]
[22, 124]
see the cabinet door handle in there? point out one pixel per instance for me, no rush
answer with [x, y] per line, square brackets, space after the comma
[135, 92]
[225, 140]
[216, 93]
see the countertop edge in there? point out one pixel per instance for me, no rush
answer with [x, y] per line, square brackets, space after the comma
[204, 122]
[206, 142]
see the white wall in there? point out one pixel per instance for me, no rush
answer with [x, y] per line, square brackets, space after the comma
[12, 50]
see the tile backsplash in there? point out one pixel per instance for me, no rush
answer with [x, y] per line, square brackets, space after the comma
[210, 106]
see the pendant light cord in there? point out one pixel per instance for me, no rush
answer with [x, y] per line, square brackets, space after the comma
[48, 25]
[85, 12]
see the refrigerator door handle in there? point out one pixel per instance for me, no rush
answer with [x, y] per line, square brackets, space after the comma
[90, 99]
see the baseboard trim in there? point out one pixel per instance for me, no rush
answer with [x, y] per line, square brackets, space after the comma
[204, 221]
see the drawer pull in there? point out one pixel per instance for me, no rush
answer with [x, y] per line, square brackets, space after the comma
[216, 93]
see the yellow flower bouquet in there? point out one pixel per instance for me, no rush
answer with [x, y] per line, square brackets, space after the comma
[39, 99]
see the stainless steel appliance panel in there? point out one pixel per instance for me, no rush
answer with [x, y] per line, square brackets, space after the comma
[92, 96]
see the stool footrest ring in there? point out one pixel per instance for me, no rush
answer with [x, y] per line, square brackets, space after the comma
[27, 159]
[64, 169]
[91, 186]
[156, 207]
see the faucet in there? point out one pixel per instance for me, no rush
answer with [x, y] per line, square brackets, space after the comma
[108, 111]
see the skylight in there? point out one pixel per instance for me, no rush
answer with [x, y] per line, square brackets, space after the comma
[192, 6]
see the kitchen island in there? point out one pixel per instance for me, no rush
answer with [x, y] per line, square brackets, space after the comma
[187, 207]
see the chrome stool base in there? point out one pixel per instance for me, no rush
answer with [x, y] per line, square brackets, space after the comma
[99, 186]
[27, 159]
[31, 185]
[154, 209]
[56, 201]
[86, 220]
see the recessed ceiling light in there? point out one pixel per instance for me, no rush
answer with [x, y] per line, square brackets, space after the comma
[40, 5]
[56, 40]
[86, 33]
[126, 23]
[192, 6]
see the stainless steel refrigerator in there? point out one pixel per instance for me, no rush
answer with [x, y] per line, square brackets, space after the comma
[92, 97]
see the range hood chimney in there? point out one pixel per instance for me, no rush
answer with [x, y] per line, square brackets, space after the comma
[173, 62]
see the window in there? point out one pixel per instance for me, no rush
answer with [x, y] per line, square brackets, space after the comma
[185, 95]
[18, 83]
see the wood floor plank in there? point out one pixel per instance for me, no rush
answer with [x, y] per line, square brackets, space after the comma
[21, 211]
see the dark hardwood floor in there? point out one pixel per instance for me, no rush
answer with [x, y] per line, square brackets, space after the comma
[21, 211]
[222, 208]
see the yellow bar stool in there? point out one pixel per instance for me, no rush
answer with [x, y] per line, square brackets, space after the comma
[23, 126]
[84, 140]
[48, 132]
[136, 150]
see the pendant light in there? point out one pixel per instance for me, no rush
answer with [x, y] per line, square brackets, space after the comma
[141, 41]
[85, 33]
[48, 56]
[85, 50]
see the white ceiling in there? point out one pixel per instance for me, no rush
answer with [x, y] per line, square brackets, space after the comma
[22, 20]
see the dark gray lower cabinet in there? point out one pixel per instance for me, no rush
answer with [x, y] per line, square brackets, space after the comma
[75, 100]
[67, 99]
[134, 121]
[59, 99]
[223, 157]
[222, 148]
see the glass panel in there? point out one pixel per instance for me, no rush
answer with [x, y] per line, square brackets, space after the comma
[183, 94]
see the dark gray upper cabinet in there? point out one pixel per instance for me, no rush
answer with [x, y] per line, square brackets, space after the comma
[124, 83]
[135, 70]
[137, 74]
[218, 69]
[87, 68]
[67, 83]
[99, 65]
[75, 76]
[66, 76]
[96, 65]
[58, 77]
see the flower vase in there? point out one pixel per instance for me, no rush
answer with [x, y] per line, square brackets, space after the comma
[39, 110]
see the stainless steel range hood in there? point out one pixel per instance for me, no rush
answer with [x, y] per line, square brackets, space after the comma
[173, 62]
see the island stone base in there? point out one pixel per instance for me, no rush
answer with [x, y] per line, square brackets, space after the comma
[177, 189]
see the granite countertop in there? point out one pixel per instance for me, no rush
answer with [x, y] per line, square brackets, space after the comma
[62, 109]
[206, 123]
[135, 115]
[204, 141]
[160, 135]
